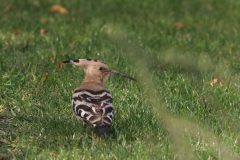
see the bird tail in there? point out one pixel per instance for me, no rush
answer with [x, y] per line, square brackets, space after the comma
[101, 131]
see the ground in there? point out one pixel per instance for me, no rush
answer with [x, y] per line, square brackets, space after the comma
[184, 54]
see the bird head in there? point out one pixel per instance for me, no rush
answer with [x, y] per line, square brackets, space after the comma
[95, 69]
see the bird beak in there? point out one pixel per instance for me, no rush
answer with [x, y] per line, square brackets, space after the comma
[121, 74]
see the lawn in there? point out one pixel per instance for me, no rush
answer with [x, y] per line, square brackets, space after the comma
[184, 54]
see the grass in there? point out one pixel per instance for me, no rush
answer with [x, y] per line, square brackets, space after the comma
[172, 112]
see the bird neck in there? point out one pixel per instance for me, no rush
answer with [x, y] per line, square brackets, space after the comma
[92, 79]
[92, 84]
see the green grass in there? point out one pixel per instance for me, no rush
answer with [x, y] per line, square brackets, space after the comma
[171, 112]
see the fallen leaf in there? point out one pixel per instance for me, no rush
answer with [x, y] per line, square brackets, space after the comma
[58, 65]
[222, 83]
[51, 153]
[52, 58]
[178, 25]
[9, 7]
[217, 81]
[23, 97]
[44, 79]
[43, 31]
[58, 9]
[214, 81]
[16, 32]
[230, 49]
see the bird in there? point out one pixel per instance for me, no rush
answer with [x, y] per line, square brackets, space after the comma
[92, 102]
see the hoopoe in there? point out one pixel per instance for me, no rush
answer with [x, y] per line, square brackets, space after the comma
[92, 102]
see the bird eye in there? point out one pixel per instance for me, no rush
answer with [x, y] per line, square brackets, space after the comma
[100, 68]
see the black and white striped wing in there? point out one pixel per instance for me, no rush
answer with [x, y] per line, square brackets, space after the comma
[93, 107]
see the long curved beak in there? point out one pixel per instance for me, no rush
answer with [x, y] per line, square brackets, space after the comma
[121, 74]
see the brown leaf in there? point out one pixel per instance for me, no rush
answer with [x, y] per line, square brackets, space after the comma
[214, 81]
[51, 153]
[9, 7]
[217, 81]
[44, 79]
[43, 31]
[58, 65]
[222, 83]
[201, 99]
[16, 32]
[58, 9]
[178, 25]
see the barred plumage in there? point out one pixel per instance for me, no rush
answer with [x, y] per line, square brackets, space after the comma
[92, 102]
[93, 107]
